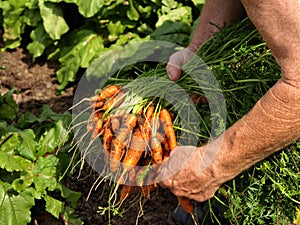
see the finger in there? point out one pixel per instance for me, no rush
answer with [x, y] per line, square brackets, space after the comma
[201, 197]
[166, 183]
[177, 60]
[174, 65]
[173, 72]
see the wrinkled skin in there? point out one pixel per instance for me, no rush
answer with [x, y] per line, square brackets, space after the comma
[267, 127]
[187, 179]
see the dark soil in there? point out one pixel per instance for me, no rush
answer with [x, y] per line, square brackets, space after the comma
[37, 85]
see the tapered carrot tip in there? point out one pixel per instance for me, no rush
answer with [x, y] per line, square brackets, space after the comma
[186, 204]
[146, 190]
[126, 191]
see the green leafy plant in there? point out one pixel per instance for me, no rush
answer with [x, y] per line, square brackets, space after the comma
[30, 165]
[74, 32]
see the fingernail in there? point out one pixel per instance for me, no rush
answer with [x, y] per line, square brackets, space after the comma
[173, 73]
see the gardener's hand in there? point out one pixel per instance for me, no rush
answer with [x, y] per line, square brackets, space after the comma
[191, 173]
[177, 60]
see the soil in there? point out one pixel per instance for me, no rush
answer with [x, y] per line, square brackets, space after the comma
[37, 85]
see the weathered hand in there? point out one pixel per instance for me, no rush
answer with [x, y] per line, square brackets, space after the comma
[177, 60]
[191, 173]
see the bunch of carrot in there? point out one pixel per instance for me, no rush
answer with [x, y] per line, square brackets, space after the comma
[133, 140]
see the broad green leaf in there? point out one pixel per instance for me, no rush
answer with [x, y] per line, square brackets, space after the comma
[297, 217]
[92, 46]
[183, 14]
[145, 11]
[28, 145]
[26, 120]
[87, 8]
[9, 143]
[8, 107]
[22, 183]
[3, 127]
[115, 28]
[198, 3]
[132, 13]
[67, 73]
[83, 46]
[104, 63]
[13, 162]
[15, 210]
[32, 4]
[174, 32]
[40, 40]
[145, 29]
[13, 22]
[36, 194]
[47, 113]
[69, 216]
[117, 57]
[32, 17]
[71, 196]
[53, 21]
[7, 112]
[52, 139]
[45, 172]
[171, 4]
[53, 206]
[91, 7]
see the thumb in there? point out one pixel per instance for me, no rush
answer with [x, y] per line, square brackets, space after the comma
[174, 67]
[176, 61]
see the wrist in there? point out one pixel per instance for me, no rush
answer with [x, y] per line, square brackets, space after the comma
[193, 47]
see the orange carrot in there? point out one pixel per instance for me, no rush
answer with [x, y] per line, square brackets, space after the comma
[139, 141]
[157, 151]
[115, 123]
[106, 93]
[137, 146]
[167, 124]
[97, 104]
[166, 120]
[149, 113]
[99, 126]
[91, 124]
[115, 100]
[121, 141]
[126, 191]
[186, 204]
[146, 190]
[107, 138]
[165, 145]
[129, 187]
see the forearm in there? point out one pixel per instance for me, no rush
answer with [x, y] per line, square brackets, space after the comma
[278, 21]
[274, 122]
[215, 12]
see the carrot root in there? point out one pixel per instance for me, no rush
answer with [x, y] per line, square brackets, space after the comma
[186, 204]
